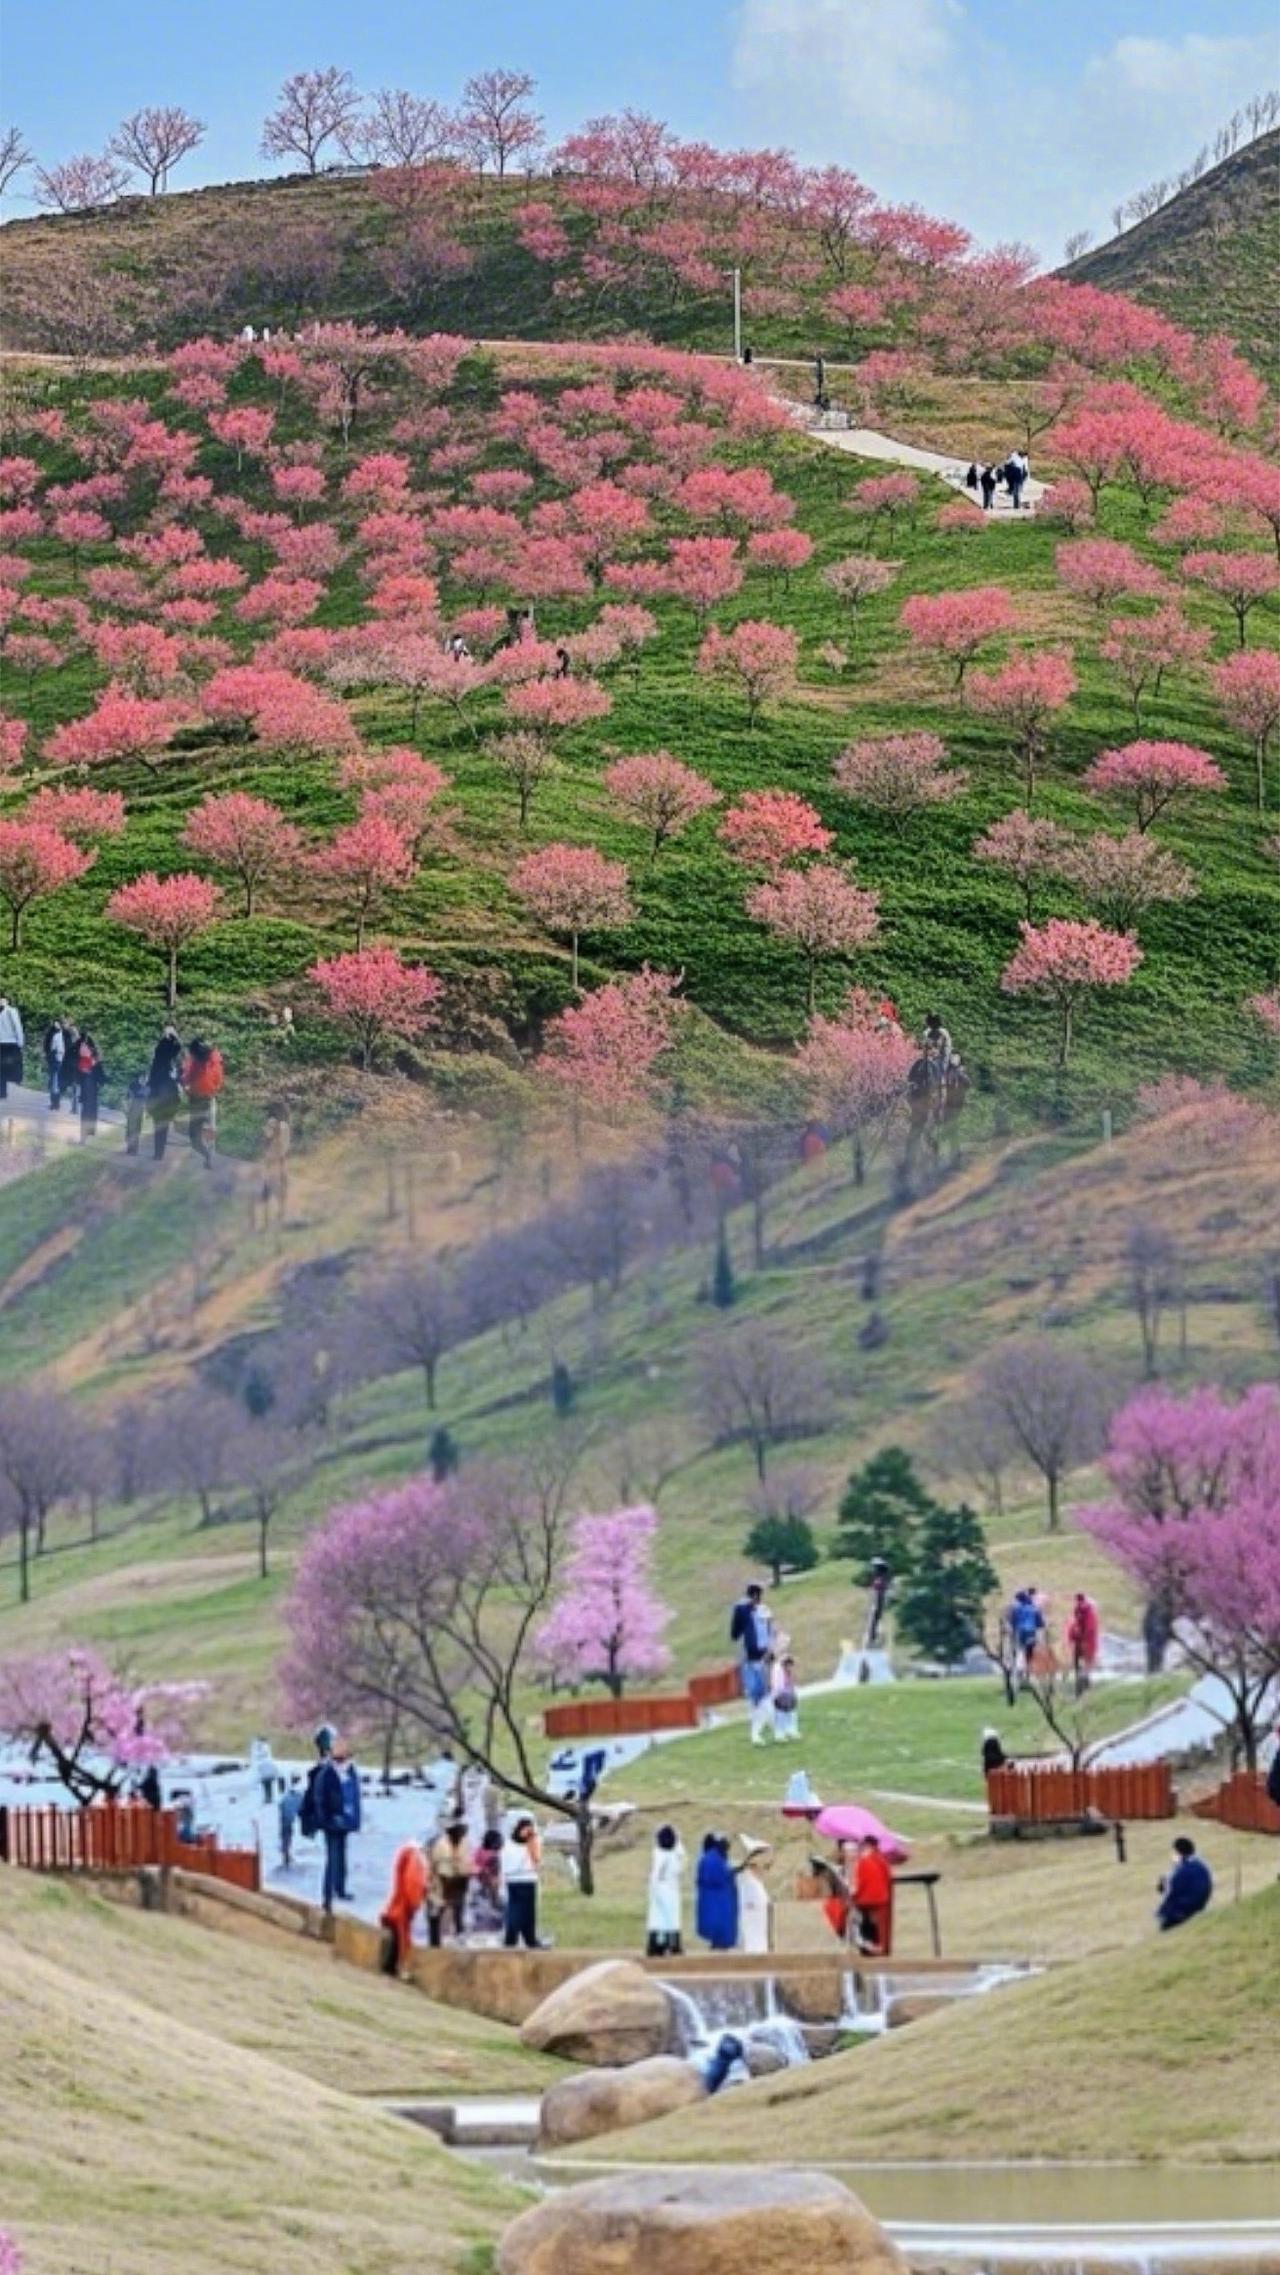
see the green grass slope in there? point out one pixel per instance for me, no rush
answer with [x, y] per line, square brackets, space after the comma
[1163, 2054]
[140, 2144]
[1208, 257]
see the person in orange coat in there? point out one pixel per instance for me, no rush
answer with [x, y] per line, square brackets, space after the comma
[410, 1879]
[873, 1899]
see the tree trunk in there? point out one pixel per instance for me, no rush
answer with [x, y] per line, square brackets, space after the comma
[1156, 1634]
[586, 1846]
[171, 991]
[24, 1560]
[859, 1160]
[263, 1522]
[429, 1376]
[1053, 1482]
[573, 962]
[1064, 1042]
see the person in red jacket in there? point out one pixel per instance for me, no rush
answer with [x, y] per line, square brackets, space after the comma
[202, 1081]
[410, 1879]
[1083, 1637]
[873, 1899]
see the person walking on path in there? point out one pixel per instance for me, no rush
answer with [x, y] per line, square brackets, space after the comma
[485, 1912]
[410, 1887]
[70, 1064]
[202, 1078]
[92, 1074]
[666, 1872]
[164, 1090]
[55, 1045]
[1188, 1888]
[878, 1585]
[751, 1628]
[135, 1109]
[290, 1811]
[12, 1043]
[987, 480]
[521, 1862]
[1016, 471]
[1083, 1638]
[717, 1912]
[1026, 1623]
[452, 1864]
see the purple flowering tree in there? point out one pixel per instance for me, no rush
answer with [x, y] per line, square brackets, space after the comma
[93, 1726]
[607, 1623]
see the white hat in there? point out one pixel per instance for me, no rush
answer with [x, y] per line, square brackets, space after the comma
[752, 1848]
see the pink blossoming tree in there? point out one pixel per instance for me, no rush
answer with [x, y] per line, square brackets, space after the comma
[606, 1624]
[1027, 849]
[167, 913]
[899, 774]
[757, 658]
[817, 911]
[854, 1068]
[94, 1727]
[372, 993]
[1026, 695]
[770, 829]
[1063, 962]
[604, 1049]
[34, 860]
[660, 793]
[1247, 686]
[362, 864]
[958, 625]
[1120, 878]
[573, 889]
[247, 836]
[1151, 776]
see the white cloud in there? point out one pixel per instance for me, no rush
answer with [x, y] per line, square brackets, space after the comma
[1191, 72]
[873, 71]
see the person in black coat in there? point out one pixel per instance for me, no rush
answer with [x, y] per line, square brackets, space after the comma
[1273, 1774]
[164, 1093]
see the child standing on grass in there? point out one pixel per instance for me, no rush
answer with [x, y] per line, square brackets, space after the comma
[786, 1703]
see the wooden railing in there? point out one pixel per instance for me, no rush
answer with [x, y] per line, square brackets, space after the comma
[1242, 1804]
[639, 1717]
[1045, 1793]
[118, 1837]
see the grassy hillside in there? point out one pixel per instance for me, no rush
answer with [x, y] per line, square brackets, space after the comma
[1115, 2031]
[948, 921]
[1208, 257]
[145, 2144]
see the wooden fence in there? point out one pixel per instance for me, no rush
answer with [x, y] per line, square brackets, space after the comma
[118, 1837]
[641, 1717]
[1036, 1793]
[1241, 1803]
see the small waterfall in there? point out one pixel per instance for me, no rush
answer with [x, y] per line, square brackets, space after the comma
[691, 2033]
[746, 2005]
[865, 2003]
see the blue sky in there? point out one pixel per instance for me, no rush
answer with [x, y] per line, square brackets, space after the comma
[1022, 118]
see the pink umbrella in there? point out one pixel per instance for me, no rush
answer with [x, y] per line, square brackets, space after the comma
[849, 1821]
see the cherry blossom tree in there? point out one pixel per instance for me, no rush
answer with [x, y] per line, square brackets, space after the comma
[759, 659]
[604, 1049]
[553, 706]
[372, 993]
[313, 108]
[1241, 579]
[769, 829]
[363, 863]
[1152, 775]
[34, 860]
[606, 1623]
[1026, 695]
[854, 1068]
[661, 793]
[1266, 1009]
[155, 139]
[958, 625]
[779, 551]
[1120, 878]
[702, 571]
[1063, 961]
[497, 122]
[1101, 570]
[121, 726]
[1247, 686]
[245, 428]
[573, 889]
[1067, 504]
[78, 184]
[93, 1726]
[855, 580]
[1194, 1519]
[167, 913]
[525, 760]
[899, 774]
[1027, 849]
[85, 816]
[247, 836]
[1141, 649]
[884, 497]
[817, 911]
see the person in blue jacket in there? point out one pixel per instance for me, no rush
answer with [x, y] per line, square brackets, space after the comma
[1188, 1887]
[324, 1811]
[717, 1912]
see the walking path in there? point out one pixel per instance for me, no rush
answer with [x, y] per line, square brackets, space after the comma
[29, 1130]
[867, 442]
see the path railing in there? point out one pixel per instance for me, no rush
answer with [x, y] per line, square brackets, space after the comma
[118, 1836]
[1044, 1793]
[643, 1717]
[1242, 1804]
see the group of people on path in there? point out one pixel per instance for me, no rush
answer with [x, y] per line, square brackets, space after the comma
[1034, 1651]
[766, 1670]
[1014, 473]
[733, 1906]
[938, 1087]
[75, 1075]
[74, 1071]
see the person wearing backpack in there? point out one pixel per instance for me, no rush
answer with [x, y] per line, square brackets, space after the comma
[92, 1074]
[202, 1080]
[324, 1812]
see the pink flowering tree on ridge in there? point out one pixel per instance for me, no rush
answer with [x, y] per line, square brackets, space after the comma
[958, 625]
[1247, 686]
[573, 889]
[817, 911]
[1025, 696]
[247, 836]
[34, 860]
[759, 659]
[854, 1068]
[1152, 775]
[604, 1049]
[1063, 961]
[372, 993]
[771, 829]
[606, 1624]
[899, 774]
[1194, 1518]
[167, 913]
[92, 1725]
[660, 792]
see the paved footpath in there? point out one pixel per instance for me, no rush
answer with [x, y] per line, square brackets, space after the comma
[30, 1132]
[865, 442]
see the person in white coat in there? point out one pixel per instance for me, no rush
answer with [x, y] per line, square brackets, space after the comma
[666, 1873]
[755, 1904]
[12, 1044]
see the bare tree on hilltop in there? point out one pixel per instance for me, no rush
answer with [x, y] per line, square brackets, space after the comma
[153, 141]
[314, 107]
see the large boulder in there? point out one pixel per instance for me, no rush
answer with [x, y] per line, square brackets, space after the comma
[602, 2101]
[718, 2221]
[608, 2015]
